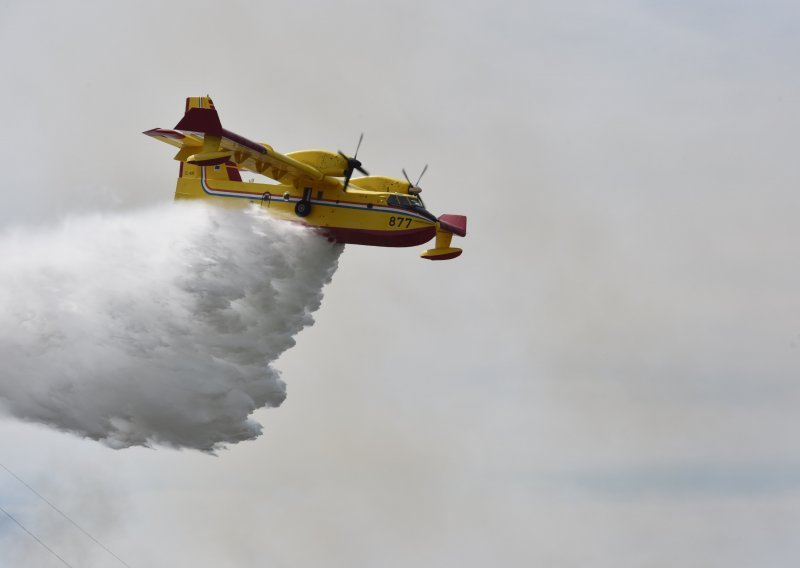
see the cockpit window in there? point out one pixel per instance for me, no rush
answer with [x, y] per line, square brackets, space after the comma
[405, 201]
[410, 202]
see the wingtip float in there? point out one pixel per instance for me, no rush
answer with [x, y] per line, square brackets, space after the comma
[316, 187]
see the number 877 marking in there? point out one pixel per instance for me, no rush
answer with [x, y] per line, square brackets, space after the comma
[398, 222]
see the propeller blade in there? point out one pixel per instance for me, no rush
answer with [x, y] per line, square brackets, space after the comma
[425, 169]
[347, 159]
[405, 175]
[352, 163]
[360, 138]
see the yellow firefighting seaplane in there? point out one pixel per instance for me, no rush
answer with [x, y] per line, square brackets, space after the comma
[315, 187]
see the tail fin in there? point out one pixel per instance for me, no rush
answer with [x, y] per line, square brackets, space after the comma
[201, 116]
[199, 102]
[198, 136]
[206, 120]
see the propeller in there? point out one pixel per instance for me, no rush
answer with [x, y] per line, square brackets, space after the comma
[352, 164]
[414, 188]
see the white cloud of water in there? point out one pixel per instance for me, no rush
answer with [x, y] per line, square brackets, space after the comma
[156, 326]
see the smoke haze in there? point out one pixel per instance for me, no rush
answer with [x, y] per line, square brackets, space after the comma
[156, 326]
[608, 376]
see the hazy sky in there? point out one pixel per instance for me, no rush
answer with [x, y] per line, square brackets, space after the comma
[606, 377]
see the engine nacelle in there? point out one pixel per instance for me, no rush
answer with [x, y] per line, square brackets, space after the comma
[381, 184]
[209, 158]
[327, 162]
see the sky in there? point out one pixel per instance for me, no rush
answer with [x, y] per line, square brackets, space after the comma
[606, 376]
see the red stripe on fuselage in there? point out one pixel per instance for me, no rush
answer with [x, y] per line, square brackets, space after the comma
[375, 238]
[378, 238]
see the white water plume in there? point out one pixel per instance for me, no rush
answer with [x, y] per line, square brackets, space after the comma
[158, 326]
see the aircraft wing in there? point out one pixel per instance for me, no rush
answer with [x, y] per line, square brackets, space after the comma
[203, 141]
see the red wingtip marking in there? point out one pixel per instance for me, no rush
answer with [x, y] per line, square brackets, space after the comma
[165, 133]
[456, 224]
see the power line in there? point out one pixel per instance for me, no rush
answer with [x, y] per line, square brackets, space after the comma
[36, 538]
[63, 514]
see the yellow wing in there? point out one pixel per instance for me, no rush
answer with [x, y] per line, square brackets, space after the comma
[203, 141]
